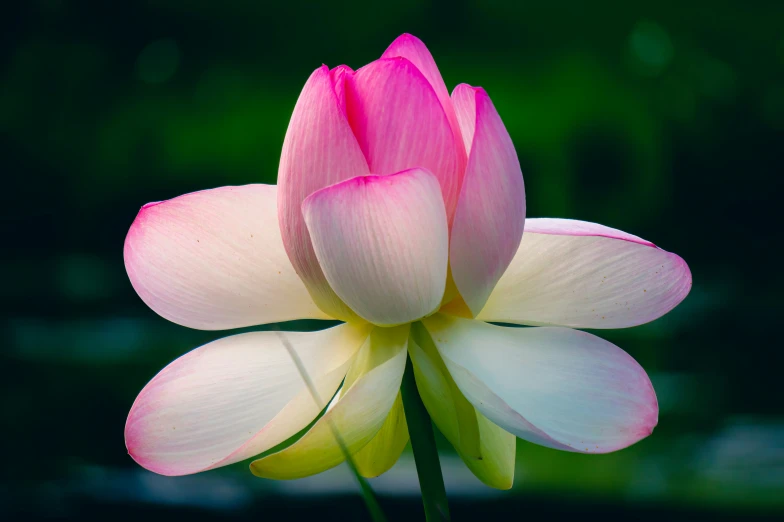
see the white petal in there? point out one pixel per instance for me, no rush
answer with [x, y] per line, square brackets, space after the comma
[487, 450]
[584, 275]
[215, 260]
[236, 397]
[557, 387]
[357, 413]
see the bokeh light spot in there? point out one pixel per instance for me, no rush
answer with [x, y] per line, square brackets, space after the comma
[84, 277]
[158, 61]
[651, 47]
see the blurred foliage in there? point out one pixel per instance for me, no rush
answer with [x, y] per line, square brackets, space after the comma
[664, 119]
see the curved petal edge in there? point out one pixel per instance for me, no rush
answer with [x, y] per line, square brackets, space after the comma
[584, 275]
[490, 215]
[214, 260]
[236, 397]
[557, 387]
[382, 242]
[413, 49]
[319, 150]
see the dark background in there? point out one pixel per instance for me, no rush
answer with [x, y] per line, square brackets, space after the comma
[662, 119]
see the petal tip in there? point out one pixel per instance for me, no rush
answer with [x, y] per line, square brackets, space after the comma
[680, 283]
[134, 235]
[149, 205]
[402, 40]
[476, 90]
[408, 36]
[686, 274]
[505, 485]
[396, 62]
[133, 445]
[135, 442]
[257, 470]
[644, 427]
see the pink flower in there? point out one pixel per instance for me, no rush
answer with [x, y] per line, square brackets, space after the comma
[401, 213]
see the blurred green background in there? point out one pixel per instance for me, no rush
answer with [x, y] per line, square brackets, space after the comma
[664, 119]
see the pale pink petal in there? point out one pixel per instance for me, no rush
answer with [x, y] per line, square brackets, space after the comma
[400, 124]
[319, 150]
[490, 213]
[584, 275]
[414, 50]
[573, 227]
[215, 260]
[236, 397]
[561, 388]
[382, 242]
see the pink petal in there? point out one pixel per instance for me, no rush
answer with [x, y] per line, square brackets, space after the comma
[338, 77]
[319, 150]
[400, 124]
[584, 275]
[561, 388]
[414, 50]
[490, 213]
[382, 242]
[236, 397]
[215, 260]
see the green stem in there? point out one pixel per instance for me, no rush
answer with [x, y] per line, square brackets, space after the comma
[371, 503]
[423, 442]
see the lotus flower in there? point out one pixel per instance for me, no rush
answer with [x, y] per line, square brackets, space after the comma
[401, 212]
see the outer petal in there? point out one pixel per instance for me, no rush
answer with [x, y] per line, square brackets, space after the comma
[215, 260]
[357, 413]
[384, 449]
[236, 397]
[382, 243]
[490, 214]
[399, 123]
[410, 47]
[585, 275]
[557, 387]
[319, 150]
[487, 450]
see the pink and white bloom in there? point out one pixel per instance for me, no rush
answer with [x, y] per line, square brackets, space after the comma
[401, 212]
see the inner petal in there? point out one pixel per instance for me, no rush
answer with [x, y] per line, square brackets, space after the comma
[382, 242]
[399, 124]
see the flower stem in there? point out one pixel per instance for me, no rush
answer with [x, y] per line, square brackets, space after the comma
[423, 442]
[371, 503]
